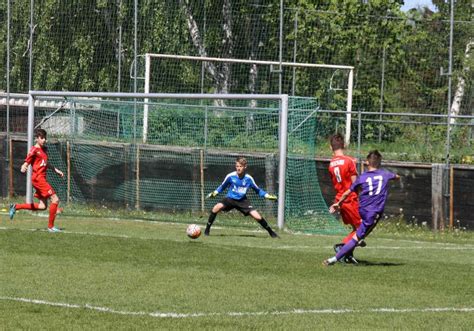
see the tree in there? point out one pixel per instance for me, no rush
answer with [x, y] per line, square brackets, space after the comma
[348, 33]
[462, 49]
[221, 73]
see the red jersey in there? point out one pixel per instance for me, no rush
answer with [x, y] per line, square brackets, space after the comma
[38, 159]
[342, 168]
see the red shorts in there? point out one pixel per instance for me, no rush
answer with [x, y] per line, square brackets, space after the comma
[350, 212]
[43, 189]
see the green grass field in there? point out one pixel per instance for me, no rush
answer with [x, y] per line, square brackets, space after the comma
[103, 273]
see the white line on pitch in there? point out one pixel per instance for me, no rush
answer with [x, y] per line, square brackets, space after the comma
[242, 314]
[432, 246]
[457, 246]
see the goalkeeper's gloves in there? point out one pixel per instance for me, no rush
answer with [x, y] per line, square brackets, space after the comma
[212, 194]
[270, 197]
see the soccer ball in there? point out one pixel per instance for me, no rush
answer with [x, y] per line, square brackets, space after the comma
[193, 231]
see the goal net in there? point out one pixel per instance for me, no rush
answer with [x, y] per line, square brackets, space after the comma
[192, 143]
[331, 84]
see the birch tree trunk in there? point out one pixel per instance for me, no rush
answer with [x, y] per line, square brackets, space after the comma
[461, 86]
[253, 82]
[196, 38]
[253, 72]
[220, 73]
[227, 45]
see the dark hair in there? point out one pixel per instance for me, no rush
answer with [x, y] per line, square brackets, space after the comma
[40, 133]
[336, 141]
[242, 160]
[374, 158]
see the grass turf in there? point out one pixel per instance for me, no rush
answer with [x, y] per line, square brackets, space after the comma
[122, 274]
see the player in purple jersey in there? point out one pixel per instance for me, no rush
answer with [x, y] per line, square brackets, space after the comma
[372, 187]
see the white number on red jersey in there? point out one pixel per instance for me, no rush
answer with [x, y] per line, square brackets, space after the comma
[337, 173]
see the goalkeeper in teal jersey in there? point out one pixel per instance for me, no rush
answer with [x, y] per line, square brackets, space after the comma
[238, 183]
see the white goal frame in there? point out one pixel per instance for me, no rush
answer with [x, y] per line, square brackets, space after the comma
[350, 79]
[283, 126]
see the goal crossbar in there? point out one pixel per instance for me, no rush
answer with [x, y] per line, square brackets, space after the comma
[350, 78]
[229, 60]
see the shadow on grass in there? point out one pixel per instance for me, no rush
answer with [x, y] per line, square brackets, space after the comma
[45, 229]
[237, 235]
[363, 263]
[195, 242]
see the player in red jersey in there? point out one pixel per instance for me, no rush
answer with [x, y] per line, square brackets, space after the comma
[342, 169]
[38, 158]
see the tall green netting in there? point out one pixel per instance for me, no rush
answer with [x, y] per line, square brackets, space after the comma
[190, 146]
[305, 208]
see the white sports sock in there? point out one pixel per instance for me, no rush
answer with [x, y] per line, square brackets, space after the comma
[332, 259]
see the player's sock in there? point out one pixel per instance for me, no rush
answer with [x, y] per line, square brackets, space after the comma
[212, 218]
[267, 227]
[332, 260]
[53, 208]
[30, 206]
[348, 237]
[349, 247]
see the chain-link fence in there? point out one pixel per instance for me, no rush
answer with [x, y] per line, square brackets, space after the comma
[401, 59]
[413, 80]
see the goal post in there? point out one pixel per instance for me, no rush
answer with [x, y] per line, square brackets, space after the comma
[193, 140]
[271, 64]
[283, 99]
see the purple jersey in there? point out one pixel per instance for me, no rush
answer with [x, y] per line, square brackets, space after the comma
[373, 189]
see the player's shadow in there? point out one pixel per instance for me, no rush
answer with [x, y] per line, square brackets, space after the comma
[46, 230]
[237, 235]
[363, 263]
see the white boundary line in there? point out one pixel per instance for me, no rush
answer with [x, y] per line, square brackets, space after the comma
[168, 223]
[429, 245]
[241, 314]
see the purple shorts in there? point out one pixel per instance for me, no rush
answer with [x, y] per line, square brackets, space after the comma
[369, 221]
